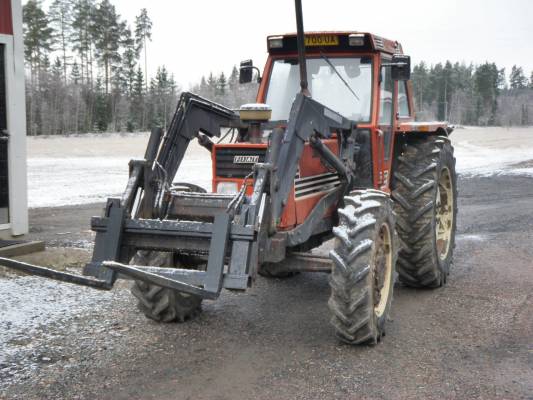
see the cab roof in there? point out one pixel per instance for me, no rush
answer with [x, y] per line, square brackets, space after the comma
[330, 41]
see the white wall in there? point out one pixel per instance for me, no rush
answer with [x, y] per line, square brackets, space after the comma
[16, 124]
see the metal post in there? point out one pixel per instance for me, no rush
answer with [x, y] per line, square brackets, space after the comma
[300, 38]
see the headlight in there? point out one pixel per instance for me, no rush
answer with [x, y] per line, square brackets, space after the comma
[356, 39]
[275, 42]
[227, 187]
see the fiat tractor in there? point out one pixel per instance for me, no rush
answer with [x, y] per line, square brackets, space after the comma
[330, 150]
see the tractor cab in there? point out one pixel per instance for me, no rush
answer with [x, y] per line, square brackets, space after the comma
[355, 75]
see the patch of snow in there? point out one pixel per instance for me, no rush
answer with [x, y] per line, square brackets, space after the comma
[30, 304]
[474, 160]
[54, 182]
[472, 237]
[70, 170]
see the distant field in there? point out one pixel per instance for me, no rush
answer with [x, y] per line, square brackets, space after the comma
[84, 169]
[69, 170]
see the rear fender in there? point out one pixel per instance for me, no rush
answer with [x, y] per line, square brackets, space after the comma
[429, 128]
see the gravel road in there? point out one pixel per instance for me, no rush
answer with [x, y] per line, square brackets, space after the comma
[469, 340]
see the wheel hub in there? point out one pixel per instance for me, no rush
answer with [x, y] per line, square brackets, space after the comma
[444, 214]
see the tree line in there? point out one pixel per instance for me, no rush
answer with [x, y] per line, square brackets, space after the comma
[87, 72]
[473, 94]
[84, 70]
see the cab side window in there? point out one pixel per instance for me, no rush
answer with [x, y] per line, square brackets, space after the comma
[385, 97]
[403, 103]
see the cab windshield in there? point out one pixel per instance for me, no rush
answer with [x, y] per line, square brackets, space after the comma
[325, 86]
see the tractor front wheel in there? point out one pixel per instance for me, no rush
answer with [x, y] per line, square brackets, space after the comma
[364, 257]
[158, 303]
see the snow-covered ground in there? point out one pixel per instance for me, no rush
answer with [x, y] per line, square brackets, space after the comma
[84, 169]
[492, 151]
[90, 168]
[24, 320]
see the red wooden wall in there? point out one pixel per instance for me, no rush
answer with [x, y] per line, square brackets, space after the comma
[6, 23]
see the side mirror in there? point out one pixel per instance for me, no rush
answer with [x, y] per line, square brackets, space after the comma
[401, 67]
[246, 71]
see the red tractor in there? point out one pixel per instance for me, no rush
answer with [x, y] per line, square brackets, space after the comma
[330, 150]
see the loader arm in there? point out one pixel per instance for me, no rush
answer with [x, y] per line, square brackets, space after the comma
[164, 155]
[311, 121]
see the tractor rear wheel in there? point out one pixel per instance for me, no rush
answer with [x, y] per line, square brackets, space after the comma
[158, 303]
[364, 256]
[425, 197]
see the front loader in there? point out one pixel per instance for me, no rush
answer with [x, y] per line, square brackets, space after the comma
[330, 150]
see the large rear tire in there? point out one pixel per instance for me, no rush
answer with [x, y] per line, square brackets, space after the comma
[364, 256]
[158, 303]
[425, 194]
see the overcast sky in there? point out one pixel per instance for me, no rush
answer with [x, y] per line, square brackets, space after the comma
[195, 37]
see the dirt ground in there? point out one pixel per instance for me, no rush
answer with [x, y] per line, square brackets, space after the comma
[469, 340]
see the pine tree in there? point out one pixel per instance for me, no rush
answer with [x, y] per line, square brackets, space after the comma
[108, 32]
[531, 81]
[57, 92]
[202, 88]
[487, 81]
[38, 37]
[420, 79]
[101, 107]
[75, 78]
[60, 14]
[233, 80]
[211, 86]
[137, 109]
[57, 70]
[38, 34]
[517, 79]
[143, 32]
[75, 75]
[159, 87]
[129, 59]
[81, 36]
[221, 84]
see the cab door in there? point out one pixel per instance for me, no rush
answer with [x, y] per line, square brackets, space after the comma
[385, 124]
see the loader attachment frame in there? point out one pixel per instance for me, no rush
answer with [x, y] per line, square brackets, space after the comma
[243, 229]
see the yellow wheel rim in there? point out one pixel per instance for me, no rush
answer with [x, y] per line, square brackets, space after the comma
[382, 270]
[444, 214]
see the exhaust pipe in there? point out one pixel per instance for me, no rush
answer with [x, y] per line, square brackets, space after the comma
[300, 40]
